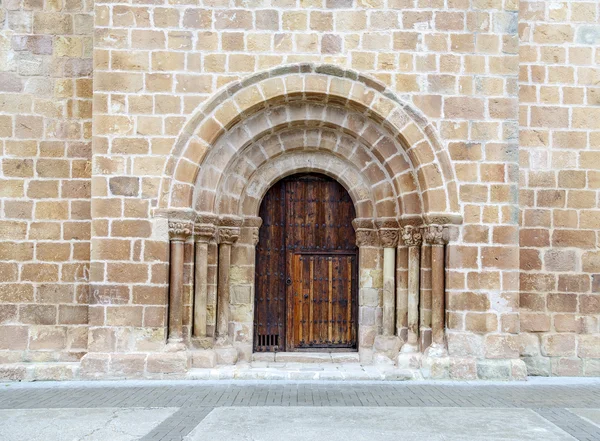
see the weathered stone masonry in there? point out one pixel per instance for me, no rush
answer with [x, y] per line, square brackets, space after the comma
[465, 131]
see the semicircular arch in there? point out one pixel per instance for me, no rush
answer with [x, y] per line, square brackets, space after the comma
[340, 92]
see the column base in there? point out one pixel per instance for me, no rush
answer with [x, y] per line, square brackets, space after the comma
[175, 345]
[409, 349]
[436, 350]
[386, 347]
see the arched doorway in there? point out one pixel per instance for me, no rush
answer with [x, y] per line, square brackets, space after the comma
[306, 267]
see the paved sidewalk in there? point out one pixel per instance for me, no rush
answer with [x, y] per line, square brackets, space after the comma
[540, 409]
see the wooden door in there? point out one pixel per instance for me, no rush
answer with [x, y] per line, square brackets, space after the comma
[306, 269]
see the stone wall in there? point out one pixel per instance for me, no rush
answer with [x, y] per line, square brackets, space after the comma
[454, 63]
[45, 134]
[560, 183]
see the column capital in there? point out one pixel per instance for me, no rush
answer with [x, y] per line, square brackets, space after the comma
[411, 236]
[204, 232]
[367, 237]
[255, 235]
[366, 234]
[388, 232]
[435, 234]
[180, 230]
[228, 235]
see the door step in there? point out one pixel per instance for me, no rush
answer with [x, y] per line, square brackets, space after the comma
[307, 357]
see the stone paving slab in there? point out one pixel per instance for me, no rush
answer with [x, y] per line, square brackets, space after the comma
[567, 404]
[590, 415]
[114, 424]
[375, 424]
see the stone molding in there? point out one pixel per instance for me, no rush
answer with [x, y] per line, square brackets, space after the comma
[180, 230]
[412, 236]
[435, 234]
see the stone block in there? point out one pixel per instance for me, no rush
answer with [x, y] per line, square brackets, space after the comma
[94, 365]
[55, 371]
[168, 363]
[206, 358]
[494, 369]
[435, 368]
[226, 355]
[13, 372]
[537, 366]
[387, 345]
[408, 361]
[127, 365]
[518, 370]
[463, 368]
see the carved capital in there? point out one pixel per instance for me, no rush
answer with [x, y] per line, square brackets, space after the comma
[204, 232]
[388, 237]
[411, 236]
[180, 230]
[255, 235]
[228, 235]
[367, 237]
[435, 234]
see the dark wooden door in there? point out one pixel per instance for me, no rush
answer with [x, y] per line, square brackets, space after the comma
[306, 267]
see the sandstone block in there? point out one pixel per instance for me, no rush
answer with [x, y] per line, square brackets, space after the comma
[168, 363]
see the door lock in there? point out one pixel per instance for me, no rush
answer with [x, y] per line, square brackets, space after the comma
[288, 281]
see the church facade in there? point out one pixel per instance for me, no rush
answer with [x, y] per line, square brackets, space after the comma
[214, 184]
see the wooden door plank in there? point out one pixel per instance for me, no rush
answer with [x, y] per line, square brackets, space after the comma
[330, 303]
[311, 299]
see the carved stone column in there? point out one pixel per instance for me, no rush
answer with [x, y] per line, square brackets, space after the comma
[228, 234]
[437, 237]
[179, 231]
[388, 235]
[203, 234]
[411, 236]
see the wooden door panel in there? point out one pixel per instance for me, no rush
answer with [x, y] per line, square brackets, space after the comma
[307, 255]
[322, 304]
[270, 289]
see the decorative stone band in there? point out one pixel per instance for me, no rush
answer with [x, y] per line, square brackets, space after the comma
[180, 230]
[411, 236]
[435, 234]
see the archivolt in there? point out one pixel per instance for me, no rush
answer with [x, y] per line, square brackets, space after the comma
[397, 140]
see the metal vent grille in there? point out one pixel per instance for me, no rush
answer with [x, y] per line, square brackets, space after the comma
[267, 342]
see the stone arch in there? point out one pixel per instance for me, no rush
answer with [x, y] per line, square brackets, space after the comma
[324, 144]
[344, 97]
[304, 161]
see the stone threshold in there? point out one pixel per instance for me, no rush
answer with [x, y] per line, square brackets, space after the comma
[307, 357]
[294, 371]
[203, 365]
